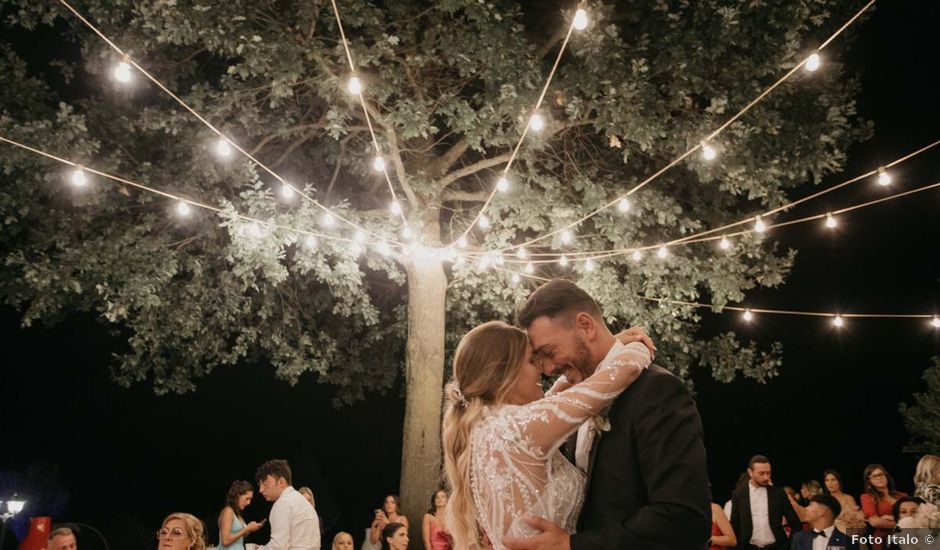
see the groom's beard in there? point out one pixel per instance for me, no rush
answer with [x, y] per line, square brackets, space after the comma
[580, 367]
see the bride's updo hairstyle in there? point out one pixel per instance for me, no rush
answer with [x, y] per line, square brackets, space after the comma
[486, 365]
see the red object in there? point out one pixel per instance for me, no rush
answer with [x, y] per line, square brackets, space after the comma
[881, 508]
[38, 536]
[716, 531]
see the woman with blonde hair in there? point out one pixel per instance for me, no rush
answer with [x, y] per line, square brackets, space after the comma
[927, 479]
[342, 541]
[501, 434]
[181, 531]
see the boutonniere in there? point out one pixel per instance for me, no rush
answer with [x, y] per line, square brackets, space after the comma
[602, 421]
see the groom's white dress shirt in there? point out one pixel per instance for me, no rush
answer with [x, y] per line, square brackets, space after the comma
[761, 535]
[822, 542]
[294, 523]
[588, 431]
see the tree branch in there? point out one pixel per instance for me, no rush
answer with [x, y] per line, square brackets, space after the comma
[465, 196]
[472, 169]
[550, 43]
[392, 137]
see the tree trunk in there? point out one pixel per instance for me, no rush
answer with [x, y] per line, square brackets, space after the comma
[424, 377]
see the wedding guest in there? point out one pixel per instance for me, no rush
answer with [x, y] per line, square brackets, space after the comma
[809, 489]
[851, 521]
[432, 526]
[389, 513]
[232, 526]
[927, 479]
[181, 531]
[395, 536]
[307, 493]
[821, 513]
[722, 532]
[294, 523]
[742, 482]
[905, 507]
[878, 500]
[342, 541]
[760, 508]
[62, 538]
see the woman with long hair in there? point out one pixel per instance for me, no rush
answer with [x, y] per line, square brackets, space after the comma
[395, 537]
[501, 434]
[432, 525]
[851, 520]
[878, 501]
[232, 526]
[181, 531]
[927, 479]
[389, 513]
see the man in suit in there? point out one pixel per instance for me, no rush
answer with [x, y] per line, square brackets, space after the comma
[758, 510]
[647, 482]
[821, 514]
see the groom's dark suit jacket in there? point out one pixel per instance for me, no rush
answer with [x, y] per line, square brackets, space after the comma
[647, 484]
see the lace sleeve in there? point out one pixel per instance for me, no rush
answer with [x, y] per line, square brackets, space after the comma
[547, 422]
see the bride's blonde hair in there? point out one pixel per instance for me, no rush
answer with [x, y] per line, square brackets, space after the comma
[486, 366]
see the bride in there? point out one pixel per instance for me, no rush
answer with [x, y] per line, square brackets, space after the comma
[501, 434]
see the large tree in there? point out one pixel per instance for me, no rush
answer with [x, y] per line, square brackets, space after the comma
[922, 416]
[450, 85]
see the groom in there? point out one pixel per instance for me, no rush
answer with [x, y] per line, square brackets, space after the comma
[647, 482]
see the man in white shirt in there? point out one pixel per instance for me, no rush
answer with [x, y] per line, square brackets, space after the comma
[821, 514]
[294, 522]
[758, 510]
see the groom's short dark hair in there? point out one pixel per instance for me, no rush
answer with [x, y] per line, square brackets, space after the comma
[274, 468]
[555, 299]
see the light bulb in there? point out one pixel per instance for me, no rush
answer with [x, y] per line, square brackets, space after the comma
[748, 316]
[759, 225]
[354, 85]
[521, 253]
[566, 237]
[310, 242]
[78, 177]
[498, 258]
[407, 234]
[812, 62]
[502, 185]
[255, 231]
[589, 265]
[484, 263]
[516, 278]
[360, 236]
[637, 255]
[529, 268]
[122, 72]
[287, 191]
[708, 152]
[378, 164]
[830, 221]
[536, 122]
[183, 209]
[623, 205]
[328, 220]
[484, 222]
[580, 21]
[395, 207]
[724, 243]
[884, 178]
[935, 322]
[460, 261]
[838, 321]
[223, 148]
[563, 261]
[662, 252]
[462, 242]
[383, 248]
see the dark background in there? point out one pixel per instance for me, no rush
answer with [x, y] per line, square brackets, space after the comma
[83, 449]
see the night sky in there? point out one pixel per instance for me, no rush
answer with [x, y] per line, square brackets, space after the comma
[86, 450]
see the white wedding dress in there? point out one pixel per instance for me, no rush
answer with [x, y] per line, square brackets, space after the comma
[516, 468]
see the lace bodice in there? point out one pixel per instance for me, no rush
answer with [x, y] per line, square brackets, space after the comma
[516, 468]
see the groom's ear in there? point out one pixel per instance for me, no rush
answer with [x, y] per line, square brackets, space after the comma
[587, 325]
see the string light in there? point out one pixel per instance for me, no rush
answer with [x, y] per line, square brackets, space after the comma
[724, 243]
[122, 71]
[183, 209]
[223, 148]
[536, 122]
[310, 242]
[884, 178]
[502, 185]
[589, 265]
[460, 261]
[708, 152]
[484, 222]
[462, 242]
[566, 237]
[498, 259]
[580, 21]
[838, 321]
[529, 268]
[516, 278]
[384, 248]
[78, 177]
[748, 316]
[521, 253]
[287, 191]
[407, 234]
[812, 62]
[378, 164]
[623, 205]
[662, 252]
[395, 207]
[759, 225]
[255, 231]
[831, 222]
[328, 220]
[935, 322]
[354, 85]
[637, 255]
[359, 237]
[563, 261]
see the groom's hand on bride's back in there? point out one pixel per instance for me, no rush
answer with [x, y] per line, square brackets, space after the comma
[637, 334]
[552, 537]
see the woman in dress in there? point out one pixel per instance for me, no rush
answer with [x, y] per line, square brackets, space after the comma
[501, 435]
[927, 479]
[342, 541]
[232, 526]
[395, 537]
[389, 513]
[722, 533]
[181, 531]
[878, 501]
[851, 520]
[432, 526]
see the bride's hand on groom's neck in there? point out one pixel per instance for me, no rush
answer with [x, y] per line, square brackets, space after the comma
[637, 334]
